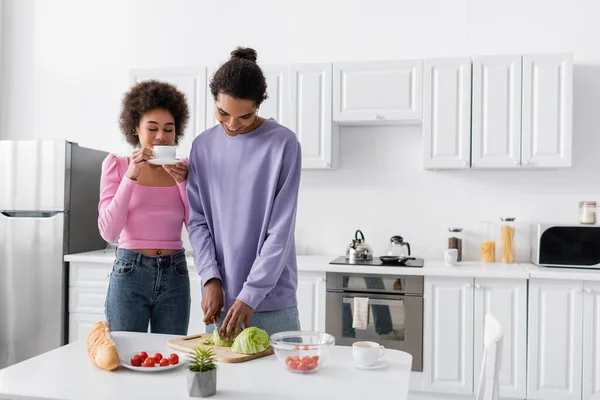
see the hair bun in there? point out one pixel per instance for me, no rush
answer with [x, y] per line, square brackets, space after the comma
[245, 53]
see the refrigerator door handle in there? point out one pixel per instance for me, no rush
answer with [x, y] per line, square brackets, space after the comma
[30, 214]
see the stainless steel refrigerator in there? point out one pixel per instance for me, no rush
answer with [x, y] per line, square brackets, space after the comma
[48, 208]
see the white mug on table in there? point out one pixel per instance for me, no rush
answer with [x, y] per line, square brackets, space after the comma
[451, 256]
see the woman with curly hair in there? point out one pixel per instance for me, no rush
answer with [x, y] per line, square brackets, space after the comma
[243, 193]
[146, 206]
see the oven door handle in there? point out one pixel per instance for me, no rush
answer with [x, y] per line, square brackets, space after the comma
[373, 301]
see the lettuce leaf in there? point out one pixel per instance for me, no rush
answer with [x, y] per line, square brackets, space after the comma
[217, 341]
[251, 341]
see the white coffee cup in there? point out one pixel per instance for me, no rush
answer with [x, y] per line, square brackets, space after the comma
[451, 256]
[164, 152]
[367, 353]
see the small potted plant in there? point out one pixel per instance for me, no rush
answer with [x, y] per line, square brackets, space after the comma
[202, 373]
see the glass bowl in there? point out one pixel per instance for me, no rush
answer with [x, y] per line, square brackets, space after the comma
[302, 352]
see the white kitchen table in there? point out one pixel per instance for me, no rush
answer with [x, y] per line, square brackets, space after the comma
[67, 373]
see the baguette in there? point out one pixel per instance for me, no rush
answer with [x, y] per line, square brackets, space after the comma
[101, 347]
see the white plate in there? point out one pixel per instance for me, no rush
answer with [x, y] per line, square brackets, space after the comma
[379, 364]
[164, 161]
[126, 362]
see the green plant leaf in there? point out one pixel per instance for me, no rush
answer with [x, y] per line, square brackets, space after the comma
[202, 360]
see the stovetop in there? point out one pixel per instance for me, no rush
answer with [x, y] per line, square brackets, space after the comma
[376, 262]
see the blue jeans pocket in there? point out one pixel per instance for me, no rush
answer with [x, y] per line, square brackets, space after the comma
[123, 268]
[181, 269]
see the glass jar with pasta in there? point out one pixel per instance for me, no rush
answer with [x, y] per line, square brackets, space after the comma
[488, 242]
[507, 236]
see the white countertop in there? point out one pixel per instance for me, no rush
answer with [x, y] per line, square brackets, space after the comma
[321, 264]
[536, 272]
[67, 373]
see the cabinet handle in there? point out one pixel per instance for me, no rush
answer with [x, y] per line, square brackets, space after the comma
[321, 280]
[107, 275]
[477, 286]
[466, 163]
[525, 162]
[469, 286]
[377, 116]
[517, 162]
[588, 290]
[578, 289]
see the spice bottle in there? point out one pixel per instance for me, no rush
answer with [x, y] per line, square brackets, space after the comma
[507, 235]
[488, 242]
[587, 212]
[455, 241]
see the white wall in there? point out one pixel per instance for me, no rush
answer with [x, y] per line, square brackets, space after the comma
[65, 66]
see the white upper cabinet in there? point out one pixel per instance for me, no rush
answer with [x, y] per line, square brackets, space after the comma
[310, 114]
[448, 335]
[191, 81]
[447, 113]
[506, 300]
[555, 340]
[278, 89]
[496, 118]
[591, 341]
[547, 110]
[377, 92]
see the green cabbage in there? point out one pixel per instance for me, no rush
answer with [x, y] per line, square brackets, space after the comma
[251, 341]
[217, 341]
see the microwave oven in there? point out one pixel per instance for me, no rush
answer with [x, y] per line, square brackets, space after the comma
[572, 246]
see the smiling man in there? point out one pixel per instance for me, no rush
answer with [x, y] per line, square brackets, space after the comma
[243, 184]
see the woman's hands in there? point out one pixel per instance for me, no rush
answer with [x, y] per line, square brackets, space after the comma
[178, 171]
[138, 160]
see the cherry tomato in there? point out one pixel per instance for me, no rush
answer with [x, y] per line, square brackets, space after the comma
[173, 359]
[157, 357]
[144, 355]
[149, 362]
[302, 366]
[164, 362]
[136, 360]
[292, 365]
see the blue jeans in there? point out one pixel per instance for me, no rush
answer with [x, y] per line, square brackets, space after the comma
[270, 321]
[146, 289]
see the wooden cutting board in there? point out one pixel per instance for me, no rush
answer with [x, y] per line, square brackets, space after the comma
[222, 354]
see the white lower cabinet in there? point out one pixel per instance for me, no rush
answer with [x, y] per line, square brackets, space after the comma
[555, 339]
[80, 324]
[311, 301]
[448, 335]
[591, 341]
[88, 286]
[506, 300]
[454, 317]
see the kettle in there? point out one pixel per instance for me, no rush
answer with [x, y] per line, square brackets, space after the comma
[397, 247]
[359, 250]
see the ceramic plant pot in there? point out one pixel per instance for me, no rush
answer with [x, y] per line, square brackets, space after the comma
[202, 384]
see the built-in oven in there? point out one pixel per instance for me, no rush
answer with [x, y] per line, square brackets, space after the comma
[394, 316]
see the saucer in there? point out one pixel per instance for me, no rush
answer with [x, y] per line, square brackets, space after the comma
[381, 363]
[164, 161]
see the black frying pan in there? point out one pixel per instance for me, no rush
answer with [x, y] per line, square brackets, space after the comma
[395, 260]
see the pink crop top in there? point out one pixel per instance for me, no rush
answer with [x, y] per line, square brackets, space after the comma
[145, 217]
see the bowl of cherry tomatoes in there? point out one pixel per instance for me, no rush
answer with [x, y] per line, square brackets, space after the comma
[302, 352]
